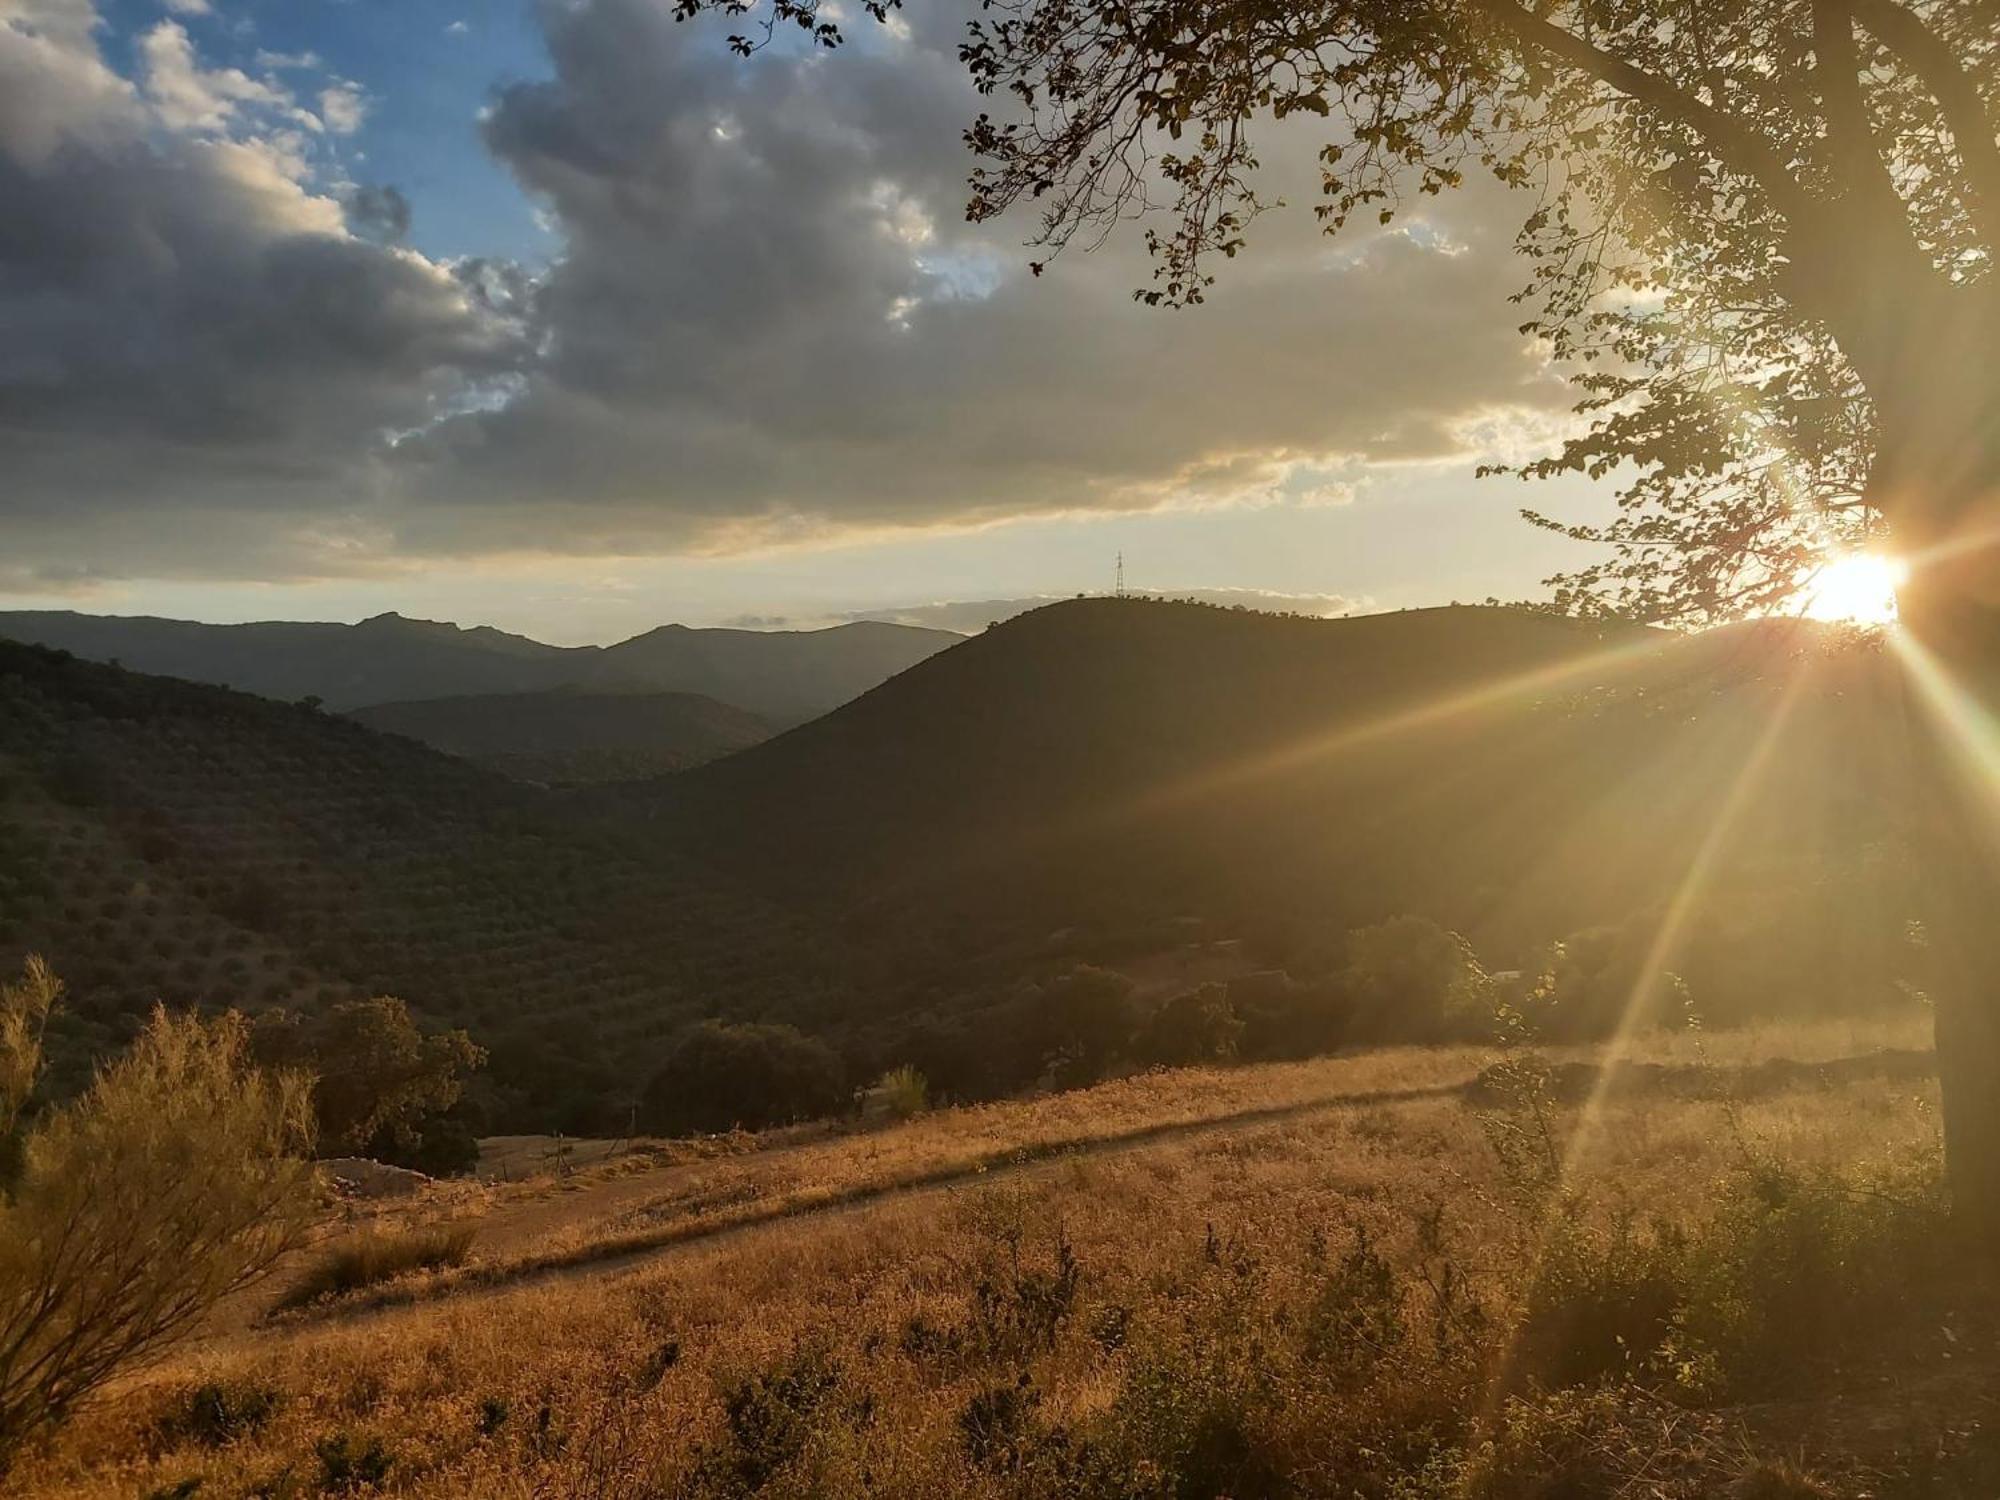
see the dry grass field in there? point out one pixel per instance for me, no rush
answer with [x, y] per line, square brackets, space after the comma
[1341, 1277]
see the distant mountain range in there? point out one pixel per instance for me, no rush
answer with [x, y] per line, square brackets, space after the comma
[785, 676]
[572, 736]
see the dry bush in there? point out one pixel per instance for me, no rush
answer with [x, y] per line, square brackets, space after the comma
[902, 1093]
[174, 1180]
[381, 1255]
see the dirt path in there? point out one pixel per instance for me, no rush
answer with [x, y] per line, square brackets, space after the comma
[607, 1227]
[518, 1225]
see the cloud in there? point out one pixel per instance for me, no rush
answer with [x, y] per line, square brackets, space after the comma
[343, 107]
[772, 323]
[457, 28]
[379, 212]
[769, 321]
[200, 358]
[189, 97]
[189, 7]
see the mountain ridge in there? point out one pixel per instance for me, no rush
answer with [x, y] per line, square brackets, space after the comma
[784, 675]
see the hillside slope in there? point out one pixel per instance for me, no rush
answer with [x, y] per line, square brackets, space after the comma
[1121, 762]
[569, 736]
[161, 840]
[786, 675]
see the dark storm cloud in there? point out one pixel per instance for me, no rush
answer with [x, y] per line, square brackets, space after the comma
[770, 321]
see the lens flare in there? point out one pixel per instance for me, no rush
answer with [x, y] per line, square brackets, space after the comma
[1858, 589]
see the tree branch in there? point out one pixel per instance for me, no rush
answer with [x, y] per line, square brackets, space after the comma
[1740, 149]
[1974, 130]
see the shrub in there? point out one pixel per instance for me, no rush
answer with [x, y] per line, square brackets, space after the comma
[381, 1083]
[720, 1076]
[1412, 980]
[1284, 1019]
[345, 1464]
[381, 1255]
[1793, 1272]
[1084, 1022]
[771, 1416]
[901, 1093]
[178, 1168]
[1199, 1026]
[218, 1413]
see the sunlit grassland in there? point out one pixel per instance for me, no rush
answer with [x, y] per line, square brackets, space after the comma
[1189, 1200]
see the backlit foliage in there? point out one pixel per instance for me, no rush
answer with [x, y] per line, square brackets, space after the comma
[176, 1179]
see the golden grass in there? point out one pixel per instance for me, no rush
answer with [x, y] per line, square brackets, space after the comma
[378, 1255]
[600, 1381]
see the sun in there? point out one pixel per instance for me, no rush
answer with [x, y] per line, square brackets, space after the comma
[1859, 589]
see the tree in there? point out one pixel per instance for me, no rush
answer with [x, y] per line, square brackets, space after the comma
[177, 1178]
[720, 1076]
[383, 1087]
[1083, 1022]
[1409, 979]
[1764, 236]
[1196, 1026]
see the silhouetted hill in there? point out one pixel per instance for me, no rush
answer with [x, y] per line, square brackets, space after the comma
[784, 675]
[571, 736]
[1111, 763]
[163, 840]
[781, 674]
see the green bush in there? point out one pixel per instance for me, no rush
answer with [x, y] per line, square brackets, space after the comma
[719, 1076]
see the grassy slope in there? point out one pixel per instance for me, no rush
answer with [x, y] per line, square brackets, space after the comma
[572, 735]
[1113, 763]
[163, 840]
[1169, 1228]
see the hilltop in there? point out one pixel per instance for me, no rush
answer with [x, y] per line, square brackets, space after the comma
[569, 736]
[1100, 768]
[783, 675]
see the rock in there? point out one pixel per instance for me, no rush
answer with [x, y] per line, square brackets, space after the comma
[358, 1177]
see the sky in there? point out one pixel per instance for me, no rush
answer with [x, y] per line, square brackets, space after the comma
[560, 317]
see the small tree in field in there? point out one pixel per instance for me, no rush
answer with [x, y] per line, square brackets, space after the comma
[382, 1083]
[177, 1178]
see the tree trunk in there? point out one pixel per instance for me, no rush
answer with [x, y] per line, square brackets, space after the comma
[1951, 612]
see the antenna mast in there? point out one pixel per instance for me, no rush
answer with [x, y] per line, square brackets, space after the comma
[1121, 575]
